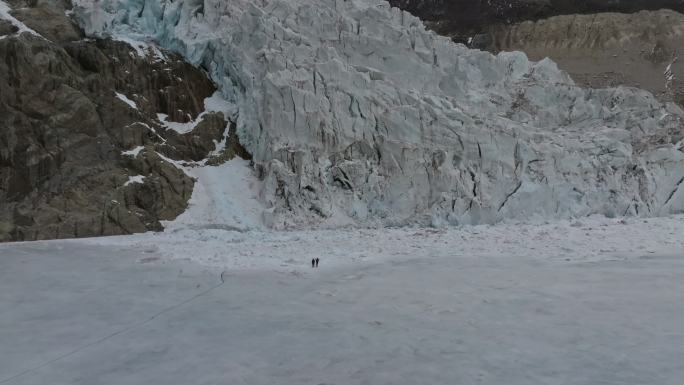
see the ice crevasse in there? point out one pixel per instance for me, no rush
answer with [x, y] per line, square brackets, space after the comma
[356, 114]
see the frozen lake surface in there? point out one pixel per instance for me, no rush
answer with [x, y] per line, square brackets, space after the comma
[477, 305]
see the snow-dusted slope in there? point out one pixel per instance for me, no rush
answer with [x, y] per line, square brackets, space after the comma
[355, 113]
[7, 16]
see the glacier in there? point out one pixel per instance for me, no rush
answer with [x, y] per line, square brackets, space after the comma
[356, 114]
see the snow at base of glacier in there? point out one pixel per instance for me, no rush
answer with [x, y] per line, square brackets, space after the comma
[354, 113]
[594, 301]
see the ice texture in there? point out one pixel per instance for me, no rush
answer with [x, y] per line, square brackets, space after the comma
[356, 114]
[594, 301]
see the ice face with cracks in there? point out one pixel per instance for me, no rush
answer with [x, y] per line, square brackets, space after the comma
[356, 114]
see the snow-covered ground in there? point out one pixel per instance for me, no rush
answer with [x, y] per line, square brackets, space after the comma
[224, 198]
[593, 239]
[594, 301]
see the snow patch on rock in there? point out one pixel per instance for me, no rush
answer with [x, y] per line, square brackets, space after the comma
[181, 128]
[126, 100]
[135, 179]
[5, 15]
[134, 152]
[142, 48]
[214, 103]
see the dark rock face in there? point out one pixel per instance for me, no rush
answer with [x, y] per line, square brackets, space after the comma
[6, 28]
[64, 131]
[195, 145]
[463, 19]
[46, 18]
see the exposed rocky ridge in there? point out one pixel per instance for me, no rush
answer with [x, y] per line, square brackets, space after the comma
[605, 50]
[600, 43]
[463, 19]
[356, 114]
[70, 110]
[47, 18]
[6, 28]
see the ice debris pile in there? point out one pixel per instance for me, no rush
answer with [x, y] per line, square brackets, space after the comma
[354, 113]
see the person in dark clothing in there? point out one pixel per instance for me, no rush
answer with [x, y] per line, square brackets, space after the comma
[317, 262]
[313, 263]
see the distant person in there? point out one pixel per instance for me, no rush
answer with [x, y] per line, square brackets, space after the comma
[317, 262]
[313, 263]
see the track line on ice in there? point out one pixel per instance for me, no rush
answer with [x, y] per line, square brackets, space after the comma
[119, 332]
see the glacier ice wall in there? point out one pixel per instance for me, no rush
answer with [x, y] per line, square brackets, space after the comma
[356, 114]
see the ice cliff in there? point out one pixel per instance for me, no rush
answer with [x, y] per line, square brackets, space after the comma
[355, 113]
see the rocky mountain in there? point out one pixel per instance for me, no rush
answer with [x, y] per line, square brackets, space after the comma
[601, 43]
[83, 151]
[607, 49]
[352, 112]
[356, 114]
[463, 19]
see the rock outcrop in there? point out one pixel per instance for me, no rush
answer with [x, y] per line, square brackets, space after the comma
[606, 50]
[355, 113]
[464, 19]
[80, 130]
[600, 43]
